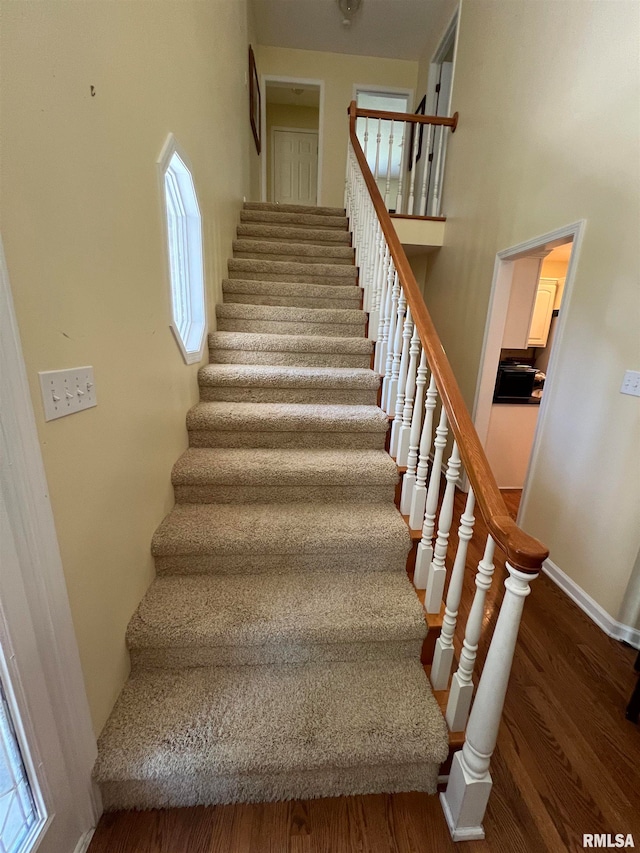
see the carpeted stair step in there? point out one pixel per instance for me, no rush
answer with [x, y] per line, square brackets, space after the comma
[240, 620]
[262, 475]
[286, 425]
[279, 320]
[280, 538]
[294, 208]
[266, 383]
[252, 734]
[294, 220]
[261, 270]
[286, 233]
[298, 350]
[301, 252]
[290, 294]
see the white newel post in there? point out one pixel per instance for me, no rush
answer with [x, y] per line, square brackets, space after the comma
[409, 394]
[465, 800]
[438, 569]
[461, 692]
[407, 333]
[443, 654]
[424, 553]
[409, 479]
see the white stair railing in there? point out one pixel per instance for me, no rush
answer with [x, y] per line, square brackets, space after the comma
[419, 391]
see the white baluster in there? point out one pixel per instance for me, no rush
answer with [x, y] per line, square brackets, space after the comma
[419, 496]
[465, 800]
[426, 170]
[403, 167]
[443, 656]
[376, 285]
[407, 332]
[414, 155]
[409, 479]
[409, 393]
[387, 188]
[437, 175]
[376, 173]
[438, 569]
[380, 358]
[461, 691]
[389, 401]
[366, 137]
[367, 257]
[390, 337]
[424, 553]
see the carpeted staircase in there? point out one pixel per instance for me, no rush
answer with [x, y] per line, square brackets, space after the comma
[277, 653]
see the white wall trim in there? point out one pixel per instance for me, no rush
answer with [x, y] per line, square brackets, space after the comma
[305, 81]
[24, 482]
[85, 841]
[593, 610]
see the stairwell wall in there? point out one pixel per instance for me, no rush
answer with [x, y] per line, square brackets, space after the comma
[83, 232]
[340, 73]
[548, 96]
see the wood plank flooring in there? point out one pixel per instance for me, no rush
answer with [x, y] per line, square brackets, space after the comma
[567, 761]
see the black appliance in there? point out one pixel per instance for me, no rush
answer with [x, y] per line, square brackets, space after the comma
[514, 382]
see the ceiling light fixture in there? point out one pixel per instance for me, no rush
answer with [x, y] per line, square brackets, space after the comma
[348, 8]
[297, 91]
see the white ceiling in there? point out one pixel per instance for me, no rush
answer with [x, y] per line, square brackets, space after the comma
[283, 93]
[391, 28]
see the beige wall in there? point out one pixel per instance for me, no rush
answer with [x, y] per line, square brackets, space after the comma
[548, 135]
[82, 230]
[286, 115]
[339, 73]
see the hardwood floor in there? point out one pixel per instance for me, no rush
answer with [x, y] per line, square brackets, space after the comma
[567, 761]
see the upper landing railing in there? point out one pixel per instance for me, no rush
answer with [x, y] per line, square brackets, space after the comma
[421, 396]
[405, 153]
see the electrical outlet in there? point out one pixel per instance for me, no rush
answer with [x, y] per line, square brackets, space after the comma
[631, 383]
[65, 392]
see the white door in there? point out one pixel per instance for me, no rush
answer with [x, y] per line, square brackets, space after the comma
[295, 167]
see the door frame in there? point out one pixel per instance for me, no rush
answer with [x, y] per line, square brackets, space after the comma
[274, 130]
[494, 330]
[304, 81]
[34, 586]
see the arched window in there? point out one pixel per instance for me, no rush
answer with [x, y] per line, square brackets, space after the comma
[184, 252]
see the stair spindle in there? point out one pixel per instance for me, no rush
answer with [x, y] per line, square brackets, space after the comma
[461, 691]
[403, 167]
[366, 137]
[376, 284]
[388, 401]
[380, 357]
[424, 553]
[438, 569]
[391, 337]
[387, 188]
[409, 479]
[419, 496]
[409, 394]
[437, 175]
[465, 800]
[414, 159]
[426, 171]
[376, 172]
[443, 656]
[407, 334]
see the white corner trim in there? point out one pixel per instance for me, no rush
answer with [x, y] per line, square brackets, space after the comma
[84, 842]
[594, 611]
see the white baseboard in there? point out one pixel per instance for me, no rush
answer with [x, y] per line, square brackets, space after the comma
[83, 844]
[593, 610]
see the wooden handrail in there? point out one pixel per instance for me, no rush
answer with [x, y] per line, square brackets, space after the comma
[444, 121]
[523, 551]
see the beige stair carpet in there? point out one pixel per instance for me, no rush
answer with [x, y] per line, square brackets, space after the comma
[277, 653]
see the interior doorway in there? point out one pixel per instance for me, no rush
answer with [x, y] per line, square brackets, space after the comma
[529, 303]
[292, 129]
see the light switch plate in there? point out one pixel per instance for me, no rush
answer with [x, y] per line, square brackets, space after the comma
[65, 392]
[631, 383]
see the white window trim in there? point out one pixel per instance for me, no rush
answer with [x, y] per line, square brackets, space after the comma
[191, 340]
[45, 681]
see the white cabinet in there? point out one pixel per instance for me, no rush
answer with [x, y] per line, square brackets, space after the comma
[542, 312]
